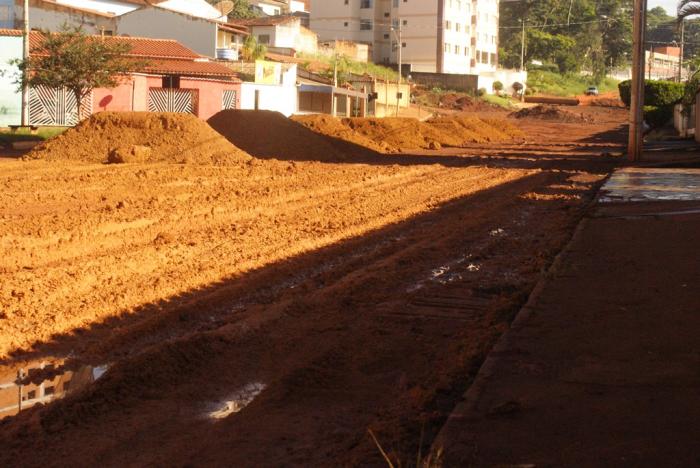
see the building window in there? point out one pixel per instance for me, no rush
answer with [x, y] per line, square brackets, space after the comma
[448, 25]
[403, 44]
[386, 36]
[365, 25]
[405, 22]
[458, 27]
[366, 4]
[447, 47]
[171, 81]
[494, 59]
[346, 24]
[456, 49]
[264, 39]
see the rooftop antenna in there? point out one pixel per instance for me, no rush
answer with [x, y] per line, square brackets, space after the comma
[225, 7]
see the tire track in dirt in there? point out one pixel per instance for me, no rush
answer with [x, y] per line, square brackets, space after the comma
[347, 341]
[111, 248]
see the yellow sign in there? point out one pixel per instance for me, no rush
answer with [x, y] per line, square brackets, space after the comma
[267, 72]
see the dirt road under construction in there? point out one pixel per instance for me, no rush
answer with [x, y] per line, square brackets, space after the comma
[340, 296]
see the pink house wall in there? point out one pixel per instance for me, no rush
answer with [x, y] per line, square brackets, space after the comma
[211, 95]
[132, 94]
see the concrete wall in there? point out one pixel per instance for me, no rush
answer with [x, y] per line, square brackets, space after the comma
[7, 14]
[197, 34]
[280, 98]
[51, 17]
[10, 98]
[211, 95]
[507, 77]
[466, 83]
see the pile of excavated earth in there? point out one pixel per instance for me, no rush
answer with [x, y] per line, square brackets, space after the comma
[406, 134]
[139, 137]
[549, 112]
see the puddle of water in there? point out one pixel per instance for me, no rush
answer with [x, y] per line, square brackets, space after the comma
[652, 184]
[42, 382]
[236, 401]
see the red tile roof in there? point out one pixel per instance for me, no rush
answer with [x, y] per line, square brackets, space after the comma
[188, 68]
[164, 56]
[266, 20]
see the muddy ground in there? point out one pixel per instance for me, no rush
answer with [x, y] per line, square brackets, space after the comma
[359, 296]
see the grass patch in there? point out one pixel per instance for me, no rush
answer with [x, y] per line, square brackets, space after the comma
[501, 101]
[348, 65]
[24, 134]
[546, 82]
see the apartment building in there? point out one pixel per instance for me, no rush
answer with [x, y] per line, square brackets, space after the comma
[444, 36]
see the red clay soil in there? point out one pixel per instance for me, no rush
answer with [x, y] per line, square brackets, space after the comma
[268, 134]
[141, 137]
[361, 296]
[406, 134]
[554, 113]
[335, 127]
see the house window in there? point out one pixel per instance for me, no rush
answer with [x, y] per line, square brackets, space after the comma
[171, 81]
[346, 24]
[264, 39]
[456, 49]
[366, 4]
[365, 25]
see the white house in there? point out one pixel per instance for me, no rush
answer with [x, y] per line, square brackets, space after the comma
[280, 7]
[194, 23]
[282, 33]
[274, 88]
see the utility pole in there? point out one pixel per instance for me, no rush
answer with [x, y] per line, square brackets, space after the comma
[680, 57]
[522, 47]
[399, 44]
[25, 58]
[634, 147]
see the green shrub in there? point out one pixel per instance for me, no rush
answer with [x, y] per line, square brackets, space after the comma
[549, 67]
[658, 116]
[657, 93]
[481, 92]
[497, 86]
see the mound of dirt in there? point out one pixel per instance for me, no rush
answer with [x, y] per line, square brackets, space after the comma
[547, 112]
[607, 102]
[121, 137]
[463, 102]
[268, 134]
[394, 134]
[336, 128]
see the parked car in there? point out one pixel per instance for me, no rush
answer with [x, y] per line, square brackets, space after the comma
[592, 91]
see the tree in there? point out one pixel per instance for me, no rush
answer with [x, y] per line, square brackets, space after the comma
[591, 34]
[252, 50]
[241, 9]
[80, 63]
[688, 8]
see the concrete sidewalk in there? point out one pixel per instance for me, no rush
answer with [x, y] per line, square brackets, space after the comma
[602, 368]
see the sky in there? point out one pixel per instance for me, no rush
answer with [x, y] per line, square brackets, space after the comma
[669, 5]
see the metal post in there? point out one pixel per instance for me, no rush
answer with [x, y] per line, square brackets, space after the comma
[25, 58]
[397, 32]
[522, 47]
[634, 148]
[680, 57]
